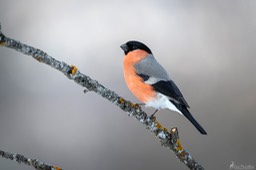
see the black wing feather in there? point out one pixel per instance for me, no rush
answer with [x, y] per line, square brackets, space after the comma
[170, 89]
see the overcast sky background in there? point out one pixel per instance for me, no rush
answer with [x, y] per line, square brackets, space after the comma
[207, 47]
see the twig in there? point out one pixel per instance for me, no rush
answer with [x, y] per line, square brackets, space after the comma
[168, 139]
[31, 162]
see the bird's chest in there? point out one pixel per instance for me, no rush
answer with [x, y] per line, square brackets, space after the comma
[136, 85]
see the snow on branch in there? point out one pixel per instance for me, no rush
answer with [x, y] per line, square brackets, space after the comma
[169, 139]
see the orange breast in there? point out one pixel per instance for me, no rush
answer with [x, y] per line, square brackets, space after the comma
[142, 91]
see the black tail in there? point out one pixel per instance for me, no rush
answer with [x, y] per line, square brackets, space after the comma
[188, 115]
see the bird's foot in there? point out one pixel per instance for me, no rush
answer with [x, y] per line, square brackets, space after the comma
[153, 115]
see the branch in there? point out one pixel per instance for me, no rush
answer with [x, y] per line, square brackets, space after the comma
[167, 139]
[31, 162]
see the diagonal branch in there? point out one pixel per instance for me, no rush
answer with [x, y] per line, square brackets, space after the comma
[168, 139]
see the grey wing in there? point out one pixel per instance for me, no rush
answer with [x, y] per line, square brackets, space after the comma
[150, 70]
[154, 74]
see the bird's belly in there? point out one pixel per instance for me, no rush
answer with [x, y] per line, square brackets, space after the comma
[162, 102]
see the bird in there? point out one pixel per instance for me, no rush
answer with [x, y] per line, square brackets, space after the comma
[151, 84]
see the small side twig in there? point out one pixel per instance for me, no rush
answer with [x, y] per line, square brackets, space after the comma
[31, 162]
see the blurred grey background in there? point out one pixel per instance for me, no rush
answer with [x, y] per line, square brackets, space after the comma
[207, 47]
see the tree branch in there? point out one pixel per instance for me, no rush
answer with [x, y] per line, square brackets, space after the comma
[31, 162]
[168, 139]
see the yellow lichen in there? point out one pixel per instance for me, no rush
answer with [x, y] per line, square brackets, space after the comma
[2, 43]
[158, 125]
[121, 100]
[165, 129]
[56, 168]
[179, 147]
[74, 69]
[39, 59]
[182, 153]
[136, 106]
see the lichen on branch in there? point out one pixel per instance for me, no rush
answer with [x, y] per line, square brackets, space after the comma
[31, 162]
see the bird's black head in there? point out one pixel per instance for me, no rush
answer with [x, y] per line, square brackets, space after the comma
[134, 45]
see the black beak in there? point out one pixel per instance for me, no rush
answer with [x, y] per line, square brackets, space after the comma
[125, 48]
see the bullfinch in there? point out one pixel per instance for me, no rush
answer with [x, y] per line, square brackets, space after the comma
[151, 84]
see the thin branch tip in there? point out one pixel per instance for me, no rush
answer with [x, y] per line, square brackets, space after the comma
[174, 131]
